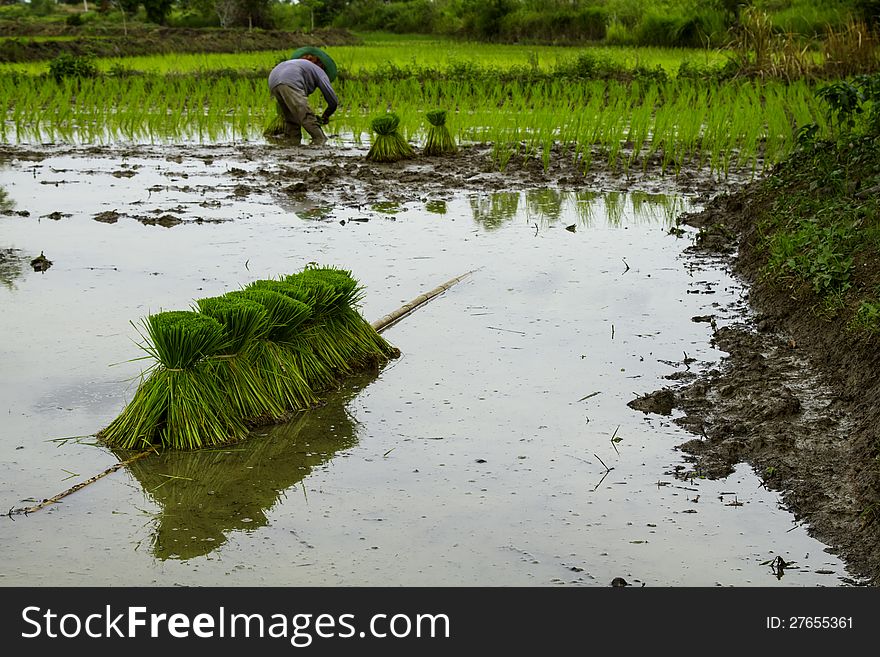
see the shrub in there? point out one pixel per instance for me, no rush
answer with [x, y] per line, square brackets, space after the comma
[72, 66]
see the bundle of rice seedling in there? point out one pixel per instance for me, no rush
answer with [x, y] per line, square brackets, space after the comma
[180, 403]
[355, 338]
[388, 145]
[310, 346]
[244, 322]
[439, 141]
[272, 355]
[277, 126]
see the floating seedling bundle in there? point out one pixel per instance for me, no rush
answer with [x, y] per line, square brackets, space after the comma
[247, 358]
[438, 141]
[388, 145]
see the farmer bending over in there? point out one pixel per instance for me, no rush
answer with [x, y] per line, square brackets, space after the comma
[291, 83]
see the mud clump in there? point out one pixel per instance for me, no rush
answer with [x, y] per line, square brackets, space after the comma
[661, 402]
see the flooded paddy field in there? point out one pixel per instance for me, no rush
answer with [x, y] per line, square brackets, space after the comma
[499, 449]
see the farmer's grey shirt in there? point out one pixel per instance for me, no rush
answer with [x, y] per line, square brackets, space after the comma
[303, 75]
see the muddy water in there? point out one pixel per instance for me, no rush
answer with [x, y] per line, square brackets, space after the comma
[498, 450]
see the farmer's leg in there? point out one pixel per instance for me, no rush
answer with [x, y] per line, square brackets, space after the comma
[291, 105]
[310, 123]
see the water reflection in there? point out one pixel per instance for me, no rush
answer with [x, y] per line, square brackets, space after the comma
[207, 494]
[12, 262]
[6, 203]
[436, 206]
[492, 210]
[549, 206]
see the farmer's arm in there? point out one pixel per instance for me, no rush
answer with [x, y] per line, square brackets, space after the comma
[329, 96]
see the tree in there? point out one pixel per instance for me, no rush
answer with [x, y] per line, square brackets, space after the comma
[157, 10]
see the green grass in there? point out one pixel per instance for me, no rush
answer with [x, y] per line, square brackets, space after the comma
[378, 52]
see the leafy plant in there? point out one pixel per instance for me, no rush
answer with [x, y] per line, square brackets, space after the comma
[67, 65]
[867, 317]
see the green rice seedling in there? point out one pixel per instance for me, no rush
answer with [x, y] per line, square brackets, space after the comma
[388, 145]
[438, 141]
[276, 125]
[324, 357]
[365, 347]
[244, 322]
[274, 352]
[301, 342]
[180, 404]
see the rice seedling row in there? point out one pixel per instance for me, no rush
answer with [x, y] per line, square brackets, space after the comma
[723, 126]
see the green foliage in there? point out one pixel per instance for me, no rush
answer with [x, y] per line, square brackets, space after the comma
[407, 17]
[555, 24]
[72, 66]
[158, 10]
[867, 317]
[828, 265]
[854, 104]
[823, 223]
[681, 30]
[42, 7]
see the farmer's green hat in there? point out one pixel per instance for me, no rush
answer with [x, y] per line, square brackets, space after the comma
[327, 60]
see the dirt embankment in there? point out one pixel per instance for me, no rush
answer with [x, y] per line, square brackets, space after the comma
[797, 397]
[161, 40]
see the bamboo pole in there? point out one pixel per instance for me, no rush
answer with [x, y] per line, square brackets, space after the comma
[392, 318]
[379, 325]
[52, 500]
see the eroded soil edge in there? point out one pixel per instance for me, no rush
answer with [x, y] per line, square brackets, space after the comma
[795, 398]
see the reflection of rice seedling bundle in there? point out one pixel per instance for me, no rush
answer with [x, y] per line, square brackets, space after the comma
[438, 141]
[180, 404]
[388, 145]
[276, 363]
[244, 322]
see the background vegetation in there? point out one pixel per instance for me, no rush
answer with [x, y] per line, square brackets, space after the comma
[685, 23]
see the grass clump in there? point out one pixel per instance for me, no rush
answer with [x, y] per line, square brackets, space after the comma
[388, 145]
[438, 141]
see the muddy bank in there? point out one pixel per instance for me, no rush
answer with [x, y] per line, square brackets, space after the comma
[159, 41]
[796, 398]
